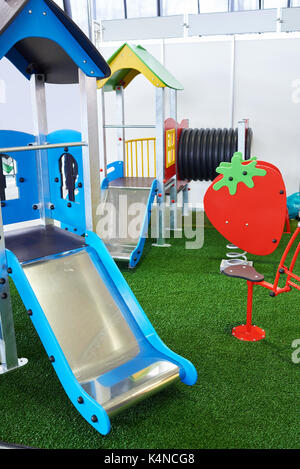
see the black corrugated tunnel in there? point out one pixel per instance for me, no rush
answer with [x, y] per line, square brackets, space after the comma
[200, 151]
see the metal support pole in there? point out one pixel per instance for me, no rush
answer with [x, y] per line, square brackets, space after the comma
[160, 165]
[159, 8]
[173, 206]
[185, 201]
[102, 132]
[173, 104]
[90, 15]
[92, 20]
[68, 7]
[8, 348]
[129, 126]
[242, 128]
[90, 154]
[41, 130]
[173, 192]
[125, 9]
[233, 76]
[42, 147]
[121, 123]
[279, 20]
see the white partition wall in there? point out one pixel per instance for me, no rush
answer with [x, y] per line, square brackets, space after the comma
[15, 105]
[267, 90]
[204, 67]
[15, 109]
[262, 83]
[225, 80]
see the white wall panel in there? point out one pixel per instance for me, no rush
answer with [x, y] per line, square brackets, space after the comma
[15, 109]
[268, 91]
[143, 28]
[290, 19]
[63, 103]
[204, 68]
[16, 112]
[239, 22]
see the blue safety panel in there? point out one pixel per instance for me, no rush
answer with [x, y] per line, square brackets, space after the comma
[71, 386]
[66, 210]
[77, 225]
[21, 209]
[137, 253]
[135, 316]
[122, 292]
[115, 170]
[43, 19]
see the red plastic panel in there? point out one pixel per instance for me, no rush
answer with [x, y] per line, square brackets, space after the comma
[184, 124]
[253, 218]
[171, 171]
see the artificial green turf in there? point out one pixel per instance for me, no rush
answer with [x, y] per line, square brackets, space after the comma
[247, 395]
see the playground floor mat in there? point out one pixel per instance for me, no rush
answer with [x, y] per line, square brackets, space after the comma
[246, 395]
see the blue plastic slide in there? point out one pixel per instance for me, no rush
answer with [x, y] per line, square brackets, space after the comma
[102, 346]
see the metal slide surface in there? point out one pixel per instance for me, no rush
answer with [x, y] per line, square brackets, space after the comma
[96, 334]
[99, 340]
[127, 206]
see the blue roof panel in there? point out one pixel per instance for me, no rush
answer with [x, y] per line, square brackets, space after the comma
[38, 37]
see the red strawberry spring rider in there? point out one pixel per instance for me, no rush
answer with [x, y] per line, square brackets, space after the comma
[247, 204]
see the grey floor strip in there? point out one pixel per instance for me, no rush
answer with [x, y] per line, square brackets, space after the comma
[12, 446]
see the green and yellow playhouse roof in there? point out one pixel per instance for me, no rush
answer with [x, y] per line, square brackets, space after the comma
[129, 61]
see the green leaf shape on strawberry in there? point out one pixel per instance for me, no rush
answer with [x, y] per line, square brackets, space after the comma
[236, 172]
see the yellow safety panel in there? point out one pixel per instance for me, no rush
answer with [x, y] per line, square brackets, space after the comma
[170, 147]
[140, 157]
